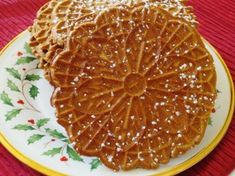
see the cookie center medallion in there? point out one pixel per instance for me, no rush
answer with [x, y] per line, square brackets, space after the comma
[135, 84]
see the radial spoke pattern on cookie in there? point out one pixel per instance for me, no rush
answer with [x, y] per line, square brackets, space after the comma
[138, 87]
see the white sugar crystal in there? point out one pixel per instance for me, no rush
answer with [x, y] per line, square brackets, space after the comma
[177, 113]
[110, 158]
[182, 67]
[179, 135]
[132, 117]
[153, 122]
[199, 68]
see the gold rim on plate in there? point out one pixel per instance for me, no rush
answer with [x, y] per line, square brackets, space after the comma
[172, 171]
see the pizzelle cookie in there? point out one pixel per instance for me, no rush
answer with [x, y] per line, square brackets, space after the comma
[40, 41]
[53, 24]
[135, 87]
[59, 17]
[69, 11]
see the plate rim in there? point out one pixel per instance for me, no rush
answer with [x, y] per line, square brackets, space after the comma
[172, 171]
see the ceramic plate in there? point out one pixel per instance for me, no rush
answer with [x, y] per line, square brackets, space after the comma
[28, 127]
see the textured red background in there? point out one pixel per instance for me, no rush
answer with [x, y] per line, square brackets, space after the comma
[217, 25]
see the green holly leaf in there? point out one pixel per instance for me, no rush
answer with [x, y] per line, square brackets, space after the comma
[12, 114]
[53, 152]
[5, 99]
[23, 127]
[27, 48]
[37, 67]
[32, 77]
[42, 122]
[25, 60]
[66, 141]
[13, 72]
[210, 122]
[35, 138]
[55, 133]
[33, 92]
[95, 163]
[73, 154]
[12, 86]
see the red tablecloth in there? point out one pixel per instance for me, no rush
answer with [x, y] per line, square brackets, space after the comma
[217, 25]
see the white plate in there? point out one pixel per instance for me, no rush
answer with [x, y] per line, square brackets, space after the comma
[28, 127]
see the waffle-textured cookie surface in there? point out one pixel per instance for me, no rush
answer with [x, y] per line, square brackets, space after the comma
[135, 87]
[57, 18]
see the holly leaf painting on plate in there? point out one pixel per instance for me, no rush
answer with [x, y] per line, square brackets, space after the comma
[33, 91]
[12, 114]
[32, 77]
[53, 152]
[42, 122]
[12, 86]
[210, 122]
[95, 163]
[34, 138]
[55, 133]
[73, 154]
[6, 99]
[27, 48]
[25, 60]
[13, 72]
[23, 127]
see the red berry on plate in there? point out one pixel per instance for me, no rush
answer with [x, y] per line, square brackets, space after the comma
[63, 158]
[213, 110]
[31, 121]
[20, 102]
[19, 53]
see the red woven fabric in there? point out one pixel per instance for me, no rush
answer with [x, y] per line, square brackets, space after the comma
[217, 25]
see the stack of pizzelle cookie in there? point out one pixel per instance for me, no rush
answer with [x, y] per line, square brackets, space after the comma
[57, 18]
[134, 83]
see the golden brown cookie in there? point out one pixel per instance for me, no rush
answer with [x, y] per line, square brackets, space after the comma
[68, 11]
[59, 17]
[40, 41]
[135, 87]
